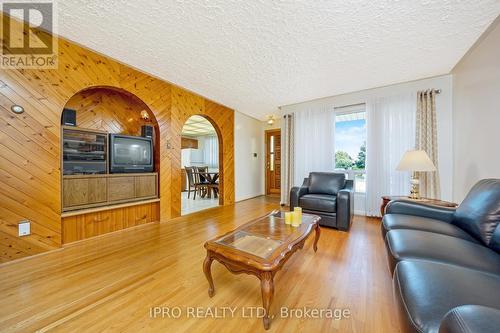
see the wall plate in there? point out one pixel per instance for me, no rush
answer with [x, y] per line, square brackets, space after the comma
[24, 228]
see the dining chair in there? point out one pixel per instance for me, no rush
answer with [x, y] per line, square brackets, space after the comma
[195, 182]
[203, 177]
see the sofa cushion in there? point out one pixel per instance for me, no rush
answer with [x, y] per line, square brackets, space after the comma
[326, 182]
[479, 213]
[398, 221]
[426, 291]
[495, 240]
[423, 245]
[319, 202]
[471, 318]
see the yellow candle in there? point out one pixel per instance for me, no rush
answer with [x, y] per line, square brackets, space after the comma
[298, 211]
[288, 217]
[296, 219]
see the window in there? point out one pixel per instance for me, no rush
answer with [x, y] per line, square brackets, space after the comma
[271, 153]
[211, 151]
[350, 143]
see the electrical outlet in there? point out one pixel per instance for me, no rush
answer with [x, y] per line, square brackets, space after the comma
[24, 228]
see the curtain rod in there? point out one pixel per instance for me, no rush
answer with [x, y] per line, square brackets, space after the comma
[437, 91]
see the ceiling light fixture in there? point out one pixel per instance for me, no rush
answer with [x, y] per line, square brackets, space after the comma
[144, 115]
[270, 121]
[18, 109]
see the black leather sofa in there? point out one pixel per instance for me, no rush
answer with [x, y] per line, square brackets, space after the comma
[327, 194]
[446, 262]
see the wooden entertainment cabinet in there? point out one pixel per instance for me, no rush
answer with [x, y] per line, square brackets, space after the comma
[86, 182]
[94, 201]
[86, 191]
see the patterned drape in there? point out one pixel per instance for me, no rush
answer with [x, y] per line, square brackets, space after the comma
[287, 158]
[426, 139]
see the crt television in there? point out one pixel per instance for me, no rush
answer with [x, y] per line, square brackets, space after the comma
[130, 154]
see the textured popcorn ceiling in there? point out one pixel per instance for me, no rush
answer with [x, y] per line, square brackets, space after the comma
[256, 55]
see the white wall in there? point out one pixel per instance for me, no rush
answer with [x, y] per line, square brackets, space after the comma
[444, 118]
[476, 113]
[249, 170]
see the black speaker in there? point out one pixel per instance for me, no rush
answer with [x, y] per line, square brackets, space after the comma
[147, 131]
[68, 117]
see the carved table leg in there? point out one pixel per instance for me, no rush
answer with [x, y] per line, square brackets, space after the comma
[267, 288]
[207, 265]
[316, 237]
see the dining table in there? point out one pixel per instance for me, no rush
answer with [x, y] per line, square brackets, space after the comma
[211, 177]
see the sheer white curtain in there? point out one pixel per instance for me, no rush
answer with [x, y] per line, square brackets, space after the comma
[390, 133]
[211, 151]
[313, 140]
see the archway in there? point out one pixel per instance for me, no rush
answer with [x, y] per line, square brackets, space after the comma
[201, 165]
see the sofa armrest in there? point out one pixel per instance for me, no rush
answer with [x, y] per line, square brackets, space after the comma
[420, 209]
[345, 206]
[295, 194]
[470, 319]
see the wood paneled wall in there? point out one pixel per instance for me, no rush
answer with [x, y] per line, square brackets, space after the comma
[30, 142]
[110, 111]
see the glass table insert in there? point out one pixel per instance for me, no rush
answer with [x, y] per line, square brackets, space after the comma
[256, 245]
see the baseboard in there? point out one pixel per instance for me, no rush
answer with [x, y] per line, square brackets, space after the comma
[248, 198]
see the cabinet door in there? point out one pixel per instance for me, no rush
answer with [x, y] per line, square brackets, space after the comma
[145, 186]
[83, 191]
[189, 143]
[121, 188]
[97, 224]
[184, 184]
[75, 192]
[97, 190]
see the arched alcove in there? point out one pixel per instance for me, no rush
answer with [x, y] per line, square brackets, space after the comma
[90, 191]
[110, 109]
[113, 110]
[201, 140]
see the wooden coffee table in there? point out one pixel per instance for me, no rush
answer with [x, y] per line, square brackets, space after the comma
[260, 248]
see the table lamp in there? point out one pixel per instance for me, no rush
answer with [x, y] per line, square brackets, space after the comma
[415, 161]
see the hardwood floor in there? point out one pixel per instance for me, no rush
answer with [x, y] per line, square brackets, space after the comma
[110, 283]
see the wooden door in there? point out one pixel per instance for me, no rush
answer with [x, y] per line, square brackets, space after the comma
[273, 161]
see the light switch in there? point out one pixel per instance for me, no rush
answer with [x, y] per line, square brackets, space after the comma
[24, 228]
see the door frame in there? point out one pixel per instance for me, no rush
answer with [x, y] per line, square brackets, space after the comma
[268, 133]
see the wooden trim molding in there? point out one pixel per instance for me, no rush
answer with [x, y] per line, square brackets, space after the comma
[110, 207]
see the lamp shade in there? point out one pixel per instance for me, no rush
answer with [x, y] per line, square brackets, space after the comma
[416, 160]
